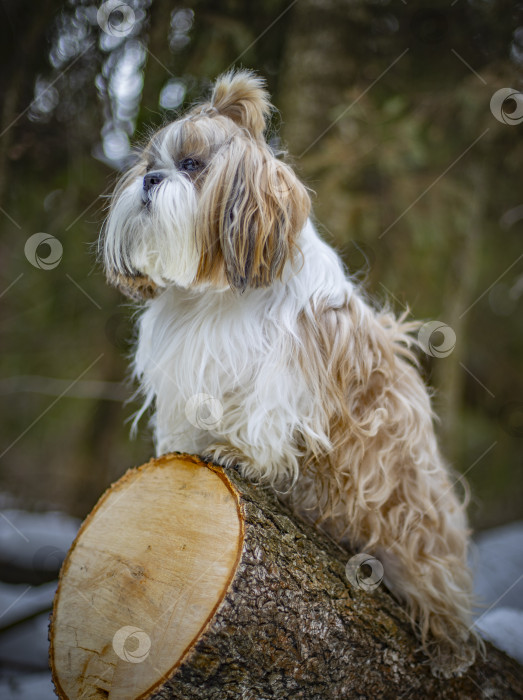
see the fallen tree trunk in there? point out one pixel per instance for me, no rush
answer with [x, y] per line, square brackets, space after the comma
[188, 582]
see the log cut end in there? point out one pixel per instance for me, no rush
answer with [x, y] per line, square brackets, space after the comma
[136, 592]
[186, 582]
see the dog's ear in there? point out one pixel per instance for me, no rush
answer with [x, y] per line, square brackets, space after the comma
[252, 208]
[242, 97]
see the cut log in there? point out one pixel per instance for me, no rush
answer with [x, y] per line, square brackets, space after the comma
[186, 581]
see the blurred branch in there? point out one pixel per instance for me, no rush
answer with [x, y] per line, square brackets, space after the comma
[88, 389]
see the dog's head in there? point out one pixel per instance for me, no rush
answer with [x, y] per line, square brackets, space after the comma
[207, 204]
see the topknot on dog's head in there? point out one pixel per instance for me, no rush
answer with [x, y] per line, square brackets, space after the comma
[241, 96]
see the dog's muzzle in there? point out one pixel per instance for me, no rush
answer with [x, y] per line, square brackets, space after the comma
[151, 180]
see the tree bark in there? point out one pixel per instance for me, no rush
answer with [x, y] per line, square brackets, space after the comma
[225, 595]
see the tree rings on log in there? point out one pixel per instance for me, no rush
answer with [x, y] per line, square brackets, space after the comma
[143, 578]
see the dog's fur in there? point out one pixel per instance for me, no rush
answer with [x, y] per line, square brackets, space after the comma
[320, 392]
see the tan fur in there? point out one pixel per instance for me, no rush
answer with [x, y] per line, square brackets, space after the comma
[249, 220]
[241, 96]
[245, 185]
[384, 487]
[136, 288]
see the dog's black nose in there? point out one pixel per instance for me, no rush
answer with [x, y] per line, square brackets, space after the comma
[151, 180]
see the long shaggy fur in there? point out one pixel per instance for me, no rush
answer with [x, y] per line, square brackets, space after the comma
[320, 393]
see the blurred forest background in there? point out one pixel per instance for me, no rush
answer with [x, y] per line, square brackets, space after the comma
[385, 108]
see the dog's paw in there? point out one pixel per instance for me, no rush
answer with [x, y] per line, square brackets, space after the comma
[448, 661]
[226, 455]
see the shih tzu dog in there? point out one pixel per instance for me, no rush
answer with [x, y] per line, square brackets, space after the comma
[313, 391]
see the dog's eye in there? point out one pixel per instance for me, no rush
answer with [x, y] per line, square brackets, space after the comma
[189, 165]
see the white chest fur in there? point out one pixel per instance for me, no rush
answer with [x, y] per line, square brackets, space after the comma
[241, 350]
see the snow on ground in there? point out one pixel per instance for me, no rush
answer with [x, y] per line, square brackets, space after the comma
[29, 543]
[36, 686]
[504, 628]
[499, 569]
[36, 541]
[26, 643]
[498, 583]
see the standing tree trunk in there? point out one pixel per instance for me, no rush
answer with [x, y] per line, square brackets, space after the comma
[188, 582]
[467, 230]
